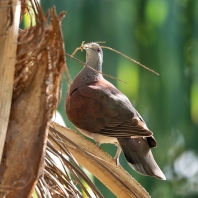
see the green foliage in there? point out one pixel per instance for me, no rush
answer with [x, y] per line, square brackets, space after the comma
[163, 35]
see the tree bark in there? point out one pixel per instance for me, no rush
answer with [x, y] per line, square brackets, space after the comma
[9, 24]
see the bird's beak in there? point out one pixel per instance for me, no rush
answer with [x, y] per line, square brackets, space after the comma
[86, 47]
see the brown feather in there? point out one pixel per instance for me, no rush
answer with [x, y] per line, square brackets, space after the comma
[101, 108]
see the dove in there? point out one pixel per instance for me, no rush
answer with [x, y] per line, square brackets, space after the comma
[101, 112]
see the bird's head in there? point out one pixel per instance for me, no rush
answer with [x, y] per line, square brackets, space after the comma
[94, 55]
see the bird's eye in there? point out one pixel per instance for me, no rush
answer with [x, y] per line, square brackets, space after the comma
[98, 50]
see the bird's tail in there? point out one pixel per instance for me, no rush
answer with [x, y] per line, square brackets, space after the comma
[140, 157]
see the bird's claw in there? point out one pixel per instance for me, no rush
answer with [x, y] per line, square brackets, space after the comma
[116, 161]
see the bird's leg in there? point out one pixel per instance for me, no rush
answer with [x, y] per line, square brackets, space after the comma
[117, 155]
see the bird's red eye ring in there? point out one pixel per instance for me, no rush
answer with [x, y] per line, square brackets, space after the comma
[98, 50]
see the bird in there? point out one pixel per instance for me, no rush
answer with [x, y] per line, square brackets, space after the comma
[103, 113]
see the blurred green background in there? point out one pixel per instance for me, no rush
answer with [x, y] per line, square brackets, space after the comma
[163, 35]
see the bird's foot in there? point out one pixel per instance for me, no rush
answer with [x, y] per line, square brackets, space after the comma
[116, 161]
[117, 155]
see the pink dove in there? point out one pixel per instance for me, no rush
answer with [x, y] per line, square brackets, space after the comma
[100, 111]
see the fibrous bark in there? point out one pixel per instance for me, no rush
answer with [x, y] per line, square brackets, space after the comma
[39, 64]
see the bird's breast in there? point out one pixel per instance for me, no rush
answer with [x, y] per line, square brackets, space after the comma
[79, 107]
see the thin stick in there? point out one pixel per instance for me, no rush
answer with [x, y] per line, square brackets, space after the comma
[78, 48]
[138, 63]
[82, 45]
[93, 68]
[96, 42]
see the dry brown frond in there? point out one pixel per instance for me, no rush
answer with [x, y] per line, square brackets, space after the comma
[63, 177]
[99, 163]
[39, 65]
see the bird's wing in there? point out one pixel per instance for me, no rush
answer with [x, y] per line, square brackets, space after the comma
[103, 109]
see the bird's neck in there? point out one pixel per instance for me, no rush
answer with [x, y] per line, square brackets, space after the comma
[87, 75]
[96, 65]
[90, 74]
